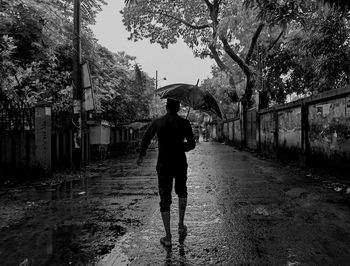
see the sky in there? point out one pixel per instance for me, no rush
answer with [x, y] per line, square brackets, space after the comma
[176, 64]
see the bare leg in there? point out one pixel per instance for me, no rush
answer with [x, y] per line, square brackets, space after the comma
[182, 210]
[166, 222]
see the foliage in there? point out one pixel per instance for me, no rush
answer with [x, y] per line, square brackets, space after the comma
[226, 31]
[36, 65]
[275, 47]
[311, 58]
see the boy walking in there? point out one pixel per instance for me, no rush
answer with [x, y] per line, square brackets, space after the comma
[171, 130]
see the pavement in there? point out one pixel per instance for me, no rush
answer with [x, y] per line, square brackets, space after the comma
[242, 210]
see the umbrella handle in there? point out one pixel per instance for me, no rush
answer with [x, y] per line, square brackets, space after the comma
[189, 109]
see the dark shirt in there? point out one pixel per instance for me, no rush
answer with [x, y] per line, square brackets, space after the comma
[171, 130]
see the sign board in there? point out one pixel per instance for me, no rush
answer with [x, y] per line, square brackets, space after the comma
[88, 100]
[86, 77]
[88, 97]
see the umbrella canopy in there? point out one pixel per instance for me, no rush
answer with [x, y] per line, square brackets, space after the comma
[192, 96]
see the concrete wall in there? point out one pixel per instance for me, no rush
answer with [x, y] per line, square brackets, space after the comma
[289, 128]
[100, 134]
[230, 131]
[225, 130]
[329, 128]
[251, 130]
[267, 131]
[314, 129]
[237, 138]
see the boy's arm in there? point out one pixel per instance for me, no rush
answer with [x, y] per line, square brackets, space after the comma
[146, 140]
[191, 143]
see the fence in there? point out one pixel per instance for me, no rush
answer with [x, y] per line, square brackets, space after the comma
[17, 146]
[62, 140]
[313, 130]
[37, 138]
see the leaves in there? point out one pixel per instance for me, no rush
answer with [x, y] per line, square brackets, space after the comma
[36, 60]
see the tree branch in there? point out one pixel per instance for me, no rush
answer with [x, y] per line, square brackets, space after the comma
[253, 43]
[277, 39]
[196, 27]
[245, 67]
[217, 58]
[224, 68]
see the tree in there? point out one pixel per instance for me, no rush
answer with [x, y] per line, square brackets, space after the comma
[312, 57]
[309, 54]
[36, 61]
[227, 31]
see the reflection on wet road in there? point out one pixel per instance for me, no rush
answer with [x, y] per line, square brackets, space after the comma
[77, 221]
[241, 211]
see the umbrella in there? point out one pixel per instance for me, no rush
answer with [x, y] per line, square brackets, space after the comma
[192, 96]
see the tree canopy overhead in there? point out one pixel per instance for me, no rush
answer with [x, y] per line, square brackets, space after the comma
[211, 28]
[288, 46]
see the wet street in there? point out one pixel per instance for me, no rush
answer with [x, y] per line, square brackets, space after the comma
[242, 210]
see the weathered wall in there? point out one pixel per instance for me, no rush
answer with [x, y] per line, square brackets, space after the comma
[250, 133]
[225, 130]
[237, 137]
[329, 129]
[289, 129]
[316, 128]
[230, 131]
[267, 129]
[100, 134]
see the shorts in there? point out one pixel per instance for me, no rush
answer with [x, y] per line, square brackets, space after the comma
[165, 186]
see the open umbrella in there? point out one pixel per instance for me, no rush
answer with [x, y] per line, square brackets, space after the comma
[192, 96]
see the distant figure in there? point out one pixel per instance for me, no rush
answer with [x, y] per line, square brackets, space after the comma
[171, 130]
[196, 133]
[206, 134]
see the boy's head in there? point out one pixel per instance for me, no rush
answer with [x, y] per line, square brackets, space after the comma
[172, 106]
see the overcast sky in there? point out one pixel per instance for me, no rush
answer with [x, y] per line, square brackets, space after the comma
[177, 63]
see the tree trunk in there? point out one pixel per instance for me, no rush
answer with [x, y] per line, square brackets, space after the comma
[246, 104]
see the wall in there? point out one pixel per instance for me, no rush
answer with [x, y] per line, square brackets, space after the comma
[237, 132]
[225, 130]
[267, 131]
[100, 134]
[329, 128]
[230, 131]
[250, 132]
[289, 130]
[315, 129]
[100, 138]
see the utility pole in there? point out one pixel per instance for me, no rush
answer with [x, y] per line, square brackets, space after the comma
[77, 87]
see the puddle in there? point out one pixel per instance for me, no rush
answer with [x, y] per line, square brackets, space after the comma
[74, 222]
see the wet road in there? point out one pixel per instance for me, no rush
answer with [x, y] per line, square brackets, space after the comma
[242, 210]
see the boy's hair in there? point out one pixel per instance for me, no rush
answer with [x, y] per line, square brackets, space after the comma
[172, 106]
